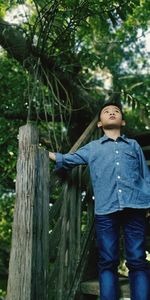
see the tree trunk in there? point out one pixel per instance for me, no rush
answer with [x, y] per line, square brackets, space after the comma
[28, 267]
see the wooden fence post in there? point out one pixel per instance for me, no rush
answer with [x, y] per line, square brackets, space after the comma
[28, 267]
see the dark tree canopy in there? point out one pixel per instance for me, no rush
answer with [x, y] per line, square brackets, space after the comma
[59, 62]
[63, 60]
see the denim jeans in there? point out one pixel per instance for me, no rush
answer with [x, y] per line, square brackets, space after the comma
[107, 234]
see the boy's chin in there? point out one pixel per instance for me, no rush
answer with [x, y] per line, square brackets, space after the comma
[112, 126]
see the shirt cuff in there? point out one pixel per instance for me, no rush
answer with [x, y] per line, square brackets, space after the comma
[59, 161]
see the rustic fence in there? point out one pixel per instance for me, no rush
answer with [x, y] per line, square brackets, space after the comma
[47, 259]
[72, 231]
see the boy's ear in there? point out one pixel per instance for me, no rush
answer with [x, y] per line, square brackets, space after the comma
[99, 124]
[123, 122]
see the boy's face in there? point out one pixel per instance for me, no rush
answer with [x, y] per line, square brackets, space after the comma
[111, 118]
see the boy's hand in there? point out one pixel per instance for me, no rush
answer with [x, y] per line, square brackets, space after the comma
[52, 156]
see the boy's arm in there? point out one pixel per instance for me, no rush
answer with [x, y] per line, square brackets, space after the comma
[70, 160]
[145, 172]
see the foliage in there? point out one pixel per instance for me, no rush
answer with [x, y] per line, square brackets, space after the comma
[79, 39]
[6, 217]
[13, 104]
[13, 87]
[8, 143]
[86, 37]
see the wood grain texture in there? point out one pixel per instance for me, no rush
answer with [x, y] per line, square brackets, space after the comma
[28, 267]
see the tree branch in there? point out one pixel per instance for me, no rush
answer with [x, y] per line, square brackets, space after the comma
[13, 41]
[23, 116]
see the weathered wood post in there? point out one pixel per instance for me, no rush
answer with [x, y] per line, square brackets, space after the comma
[28, 267]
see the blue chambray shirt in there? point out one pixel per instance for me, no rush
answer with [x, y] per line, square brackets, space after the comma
[119, 173]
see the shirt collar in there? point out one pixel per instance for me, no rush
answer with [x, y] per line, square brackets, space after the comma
[105, 138]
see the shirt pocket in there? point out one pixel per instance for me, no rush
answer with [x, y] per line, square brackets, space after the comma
[130, 159]
[130, 154]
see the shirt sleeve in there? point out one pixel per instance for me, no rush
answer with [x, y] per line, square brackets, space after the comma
[145, 172]
[70, 160]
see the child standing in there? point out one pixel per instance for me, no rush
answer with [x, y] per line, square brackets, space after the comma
[121, 185]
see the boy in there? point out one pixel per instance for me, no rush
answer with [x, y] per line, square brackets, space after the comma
[121, 185]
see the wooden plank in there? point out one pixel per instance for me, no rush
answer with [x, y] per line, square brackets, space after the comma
[85, 135]
[148, 162]
[83, 262]
[72, 230]
[90, 210]
[54, 240]
[78, 216]
[62, 248]
[92, 287]
[55, 211]
[28, 267]
[145, 148]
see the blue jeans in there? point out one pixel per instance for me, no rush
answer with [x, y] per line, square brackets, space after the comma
[107, 234]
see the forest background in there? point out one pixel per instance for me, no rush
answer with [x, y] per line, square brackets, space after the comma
[59, 62]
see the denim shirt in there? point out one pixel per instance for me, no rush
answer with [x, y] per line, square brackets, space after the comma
[119, 173]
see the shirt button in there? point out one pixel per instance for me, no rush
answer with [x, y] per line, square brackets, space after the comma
[120, 191]
[117, 151]
[117, 163]
[116, 142]
[118, 177]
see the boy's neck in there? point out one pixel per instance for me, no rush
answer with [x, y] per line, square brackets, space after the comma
[112, 133]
